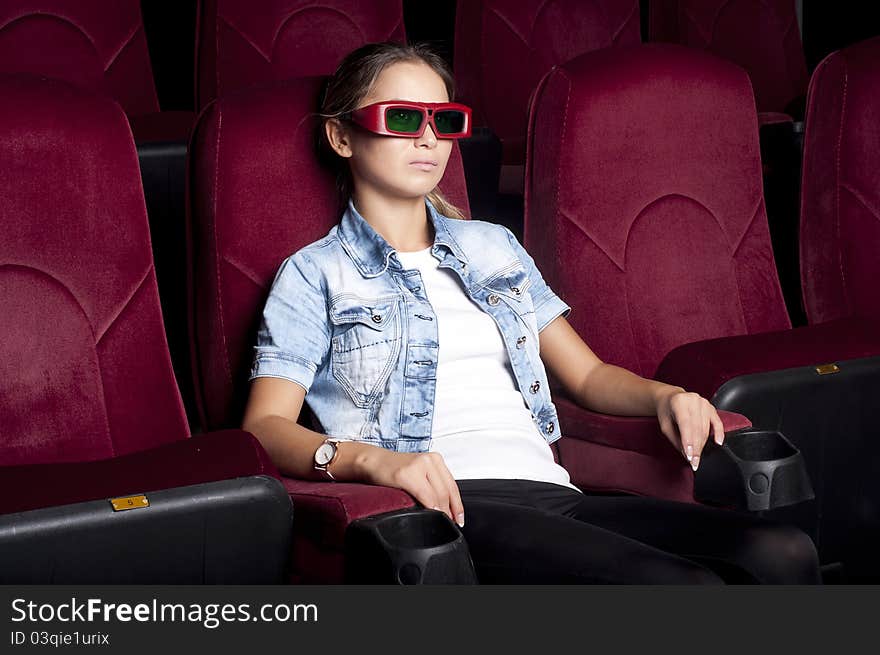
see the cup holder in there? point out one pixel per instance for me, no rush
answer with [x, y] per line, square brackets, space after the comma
[411, 546]
[754, 470]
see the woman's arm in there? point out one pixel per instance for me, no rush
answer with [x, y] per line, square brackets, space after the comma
[685, 418]
[271, 415]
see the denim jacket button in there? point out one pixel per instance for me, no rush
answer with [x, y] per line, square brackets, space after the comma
[492, 299]
[550, 427]
[535, 386]
[521, 342]
[377, 318]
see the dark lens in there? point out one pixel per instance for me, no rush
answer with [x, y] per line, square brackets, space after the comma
[399, 119]
[449, 121]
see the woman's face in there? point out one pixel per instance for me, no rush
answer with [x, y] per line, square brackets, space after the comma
[399, 167]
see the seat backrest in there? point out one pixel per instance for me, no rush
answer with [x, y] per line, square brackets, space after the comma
[85, 372]
[95, 44]
[257, 194]
[238, 46]
[840, 202]
[504, 47]
[762, 36]
[644, 204]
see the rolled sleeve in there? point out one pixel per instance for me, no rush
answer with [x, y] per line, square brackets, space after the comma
[547, 304]
[293, 338]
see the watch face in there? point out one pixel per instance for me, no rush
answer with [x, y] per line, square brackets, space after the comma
[324, 454]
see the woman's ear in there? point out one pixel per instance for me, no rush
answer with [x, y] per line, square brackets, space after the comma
[338, 137]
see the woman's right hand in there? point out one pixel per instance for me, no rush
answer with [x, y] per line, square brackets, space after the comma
[423, 475]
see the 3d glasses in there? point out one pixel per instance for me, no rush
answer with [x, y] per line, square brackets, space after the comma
[449, 120]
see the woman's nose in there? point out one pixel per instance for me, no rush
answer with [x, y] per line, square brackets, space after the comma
[428, 138]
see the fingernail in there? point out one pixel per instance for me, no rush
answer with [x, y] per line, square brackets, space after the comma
[690, 453]
[459, 518]
[437, 508]
[695, 462]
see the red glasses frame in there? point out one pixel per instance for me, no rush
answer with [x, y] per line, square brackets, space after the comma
[372, 118]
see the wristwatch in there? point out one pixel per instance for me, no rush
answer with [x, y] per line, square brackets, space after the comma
[325, 456]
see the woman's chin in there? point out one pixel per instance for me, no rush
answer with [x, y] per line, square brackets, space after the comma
[416, 191]
[407, 189]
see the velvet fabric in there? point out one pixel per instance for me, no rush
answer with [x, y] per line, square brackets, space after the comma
[644, 205]
[536, 35]
[645, 213]
[95, 44]
[636, 433]
[223, 455]
[323, 512]
[89, 409]
[840, 202]
[627, 454]
[706, 365]
[238, 46]
[762, 36]
[84, 367]
[257, 193]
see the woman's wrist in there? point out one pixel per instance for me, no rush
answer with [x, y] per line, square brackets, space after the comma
[356, 461]
[662, 391]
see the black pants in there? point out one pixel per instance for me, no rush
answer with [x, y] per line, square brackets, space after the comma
[521, 531]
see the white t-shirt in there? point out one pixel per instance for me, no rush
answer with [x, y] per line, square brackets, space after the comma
[481, 425]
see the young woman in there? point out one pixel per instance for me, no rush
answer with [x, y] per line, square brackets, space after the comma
[422, 342]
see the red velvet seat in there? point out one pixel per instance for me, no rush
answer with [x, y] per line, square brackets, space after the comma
[238, 46]
[490, 35]
[761, 36]
[257, 194]
[88, 404]
[95, 44]
[646, 213]
[100, 45]
[840, 202]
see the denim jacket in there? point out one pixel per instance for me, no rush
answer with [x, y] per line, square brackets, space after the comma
[349, 324]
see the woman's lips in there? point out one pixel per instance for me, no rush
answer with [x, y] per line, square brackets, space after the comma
[424, 165]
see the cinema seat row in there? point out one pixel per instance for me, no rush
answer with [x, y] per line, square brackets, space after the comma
[662, 236]
[101, 45]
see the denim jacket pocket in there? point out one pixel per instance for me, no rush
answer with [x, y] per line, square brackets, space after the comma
[512, 285]
[365, 345]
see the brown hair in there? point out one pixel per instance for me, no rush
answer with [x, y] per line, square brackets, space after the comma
[350, 84]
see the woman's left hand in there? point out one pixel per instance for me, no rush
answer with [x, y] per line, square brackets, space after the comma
[686, 419]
